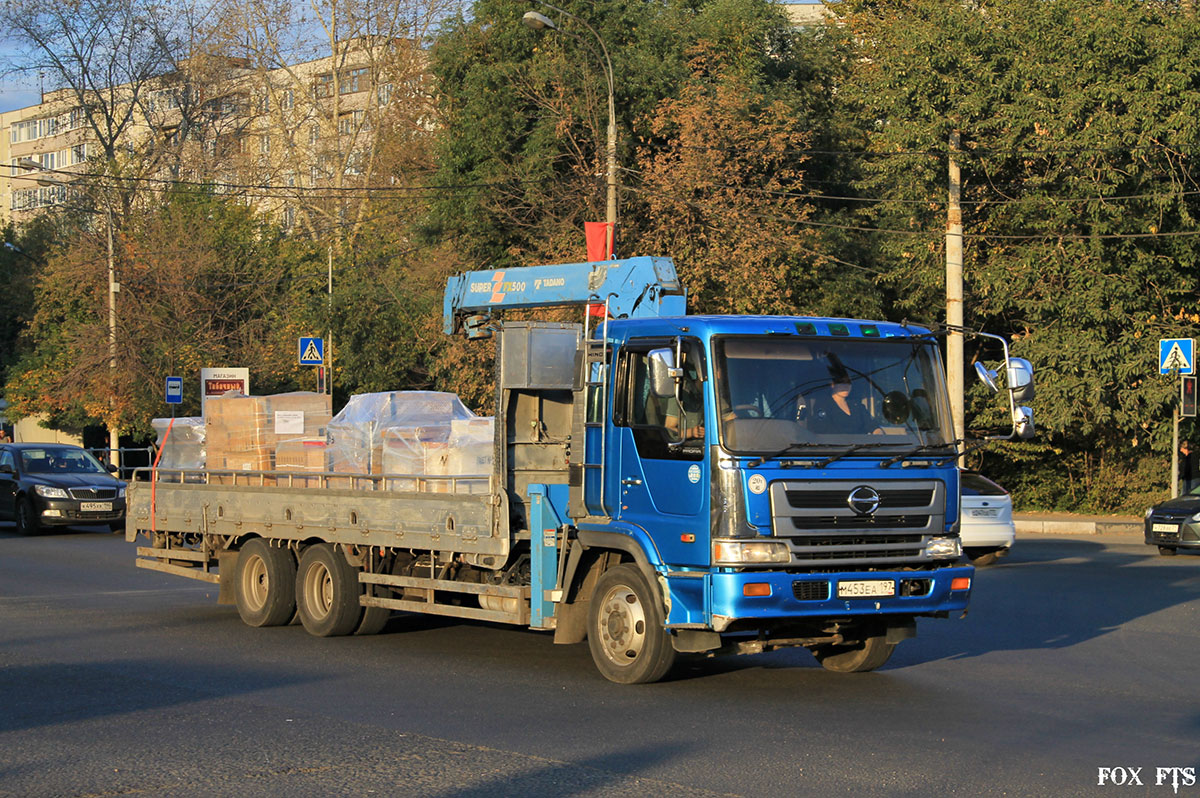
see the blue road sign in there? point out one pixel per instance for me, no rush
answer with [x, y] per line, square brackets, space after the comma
[312, 351]
[174, 390]
[1177, 355]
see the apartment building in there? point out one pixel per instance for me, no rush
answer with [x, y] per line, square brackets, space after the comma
[288, 140]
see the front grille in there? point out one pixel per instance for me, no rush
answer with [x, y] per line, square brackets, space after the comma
[861, 522]
[93, 494]
[858, 540]
[816, 499]
[822, 529]
[810, 591]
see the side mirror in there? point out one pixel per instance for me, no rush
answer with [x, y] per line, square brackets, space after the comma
[662, 373]
[986, 376]
[1023, 422]
[6, 469]
[112, 469]
[1020, 379]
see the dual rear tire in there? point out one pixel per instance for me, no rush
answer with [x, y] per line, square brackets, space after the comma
[322, 590]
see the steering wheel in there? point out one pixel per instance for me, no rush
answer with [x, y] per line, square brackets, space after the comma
[746, 411]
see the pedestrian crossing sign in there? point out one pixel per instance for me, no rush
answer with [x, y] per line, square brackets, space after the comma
[312, 352]
[1177, 356]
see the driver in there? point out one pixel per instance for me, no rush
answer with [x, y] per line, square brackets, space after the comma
[840, 414]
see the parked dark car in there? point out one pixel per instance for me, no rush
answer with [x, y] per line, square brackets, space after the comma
[56, 484]
[1175, 524]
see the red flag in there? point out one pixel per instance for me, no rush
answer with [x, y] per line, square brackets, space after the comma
[598, 243]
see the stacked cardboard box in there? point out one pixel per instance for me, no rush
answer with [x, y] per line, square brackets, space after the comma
[243, 433]
[306, 454]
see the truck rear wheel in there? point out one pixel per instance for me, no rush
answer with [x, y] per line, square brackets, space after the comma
[327, 591]
[867, 655]
[265, 587]
[625, 628]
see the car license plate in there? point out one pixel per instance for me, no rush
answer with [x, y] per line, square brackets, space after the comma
[95, 507]
[986, 512]
[866, 588]
[1164, 528]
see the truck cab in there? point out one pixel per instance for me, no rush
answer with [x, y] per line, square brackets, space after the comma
[786, 479]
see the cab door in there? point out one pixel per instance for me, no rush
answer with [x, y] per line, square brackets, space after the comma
[661, 477]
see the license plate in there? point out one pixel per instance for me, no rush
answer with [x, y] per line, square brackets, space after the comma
[1164, 528]
[986, 512]
[866, 588]
[95, 507]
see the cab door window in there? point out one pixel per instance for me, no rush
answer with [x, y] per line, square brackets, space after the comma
[664, 427]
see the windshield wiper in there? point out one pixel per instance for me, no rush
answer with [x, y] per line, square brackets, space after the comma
[858, 447]
[928, 447]
[791, 447]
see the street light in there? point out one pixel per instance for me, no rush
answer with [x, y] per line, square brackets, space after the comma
[114, 440]
[536, 21]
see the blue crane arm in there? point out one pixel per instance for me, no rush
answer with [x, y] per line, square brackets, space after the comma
[633, 288]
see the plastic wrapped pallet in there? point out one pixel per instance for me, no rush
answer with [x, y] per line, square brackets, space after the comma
[466, 453]
[404, 434]
[184, 447]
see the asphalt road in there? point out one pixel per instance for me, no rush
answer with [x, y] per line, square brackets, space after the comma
[1078, 654]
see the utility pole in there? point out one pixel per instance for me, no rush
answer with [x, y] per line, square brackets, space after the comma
[114, 437]
[954, 293]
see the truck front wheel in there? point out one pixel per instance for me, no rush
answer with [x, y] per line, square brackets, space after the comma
[327, 592]
[866, 655]
[626, 632]
[265, 585]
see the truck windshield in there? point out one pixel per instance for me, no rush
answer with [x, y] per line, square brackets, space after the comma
[779, 393]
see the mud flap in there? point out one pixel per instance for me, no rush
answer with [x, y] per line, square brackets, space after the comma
[226, 570]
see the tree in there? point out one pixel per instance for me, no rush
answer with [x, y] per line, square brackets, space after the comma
[328, 88]
[1076, 118]
[206, 284]
[723, 175]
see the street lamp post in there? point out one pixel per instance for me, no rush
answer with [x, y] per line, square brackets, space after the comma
[114, 440]
[536, 21]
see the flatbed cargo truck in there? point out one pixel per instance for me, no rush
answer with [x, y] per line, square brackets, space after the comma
[662, 484]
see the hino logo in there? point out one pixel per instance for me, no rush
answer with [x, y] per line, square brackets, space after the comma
[863, 500]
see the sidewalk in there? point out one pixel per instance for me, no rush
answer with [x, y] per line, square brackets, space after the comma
[1071, 524]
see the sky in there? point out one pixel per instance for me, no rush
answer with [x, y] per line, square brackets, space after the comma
[16, 91]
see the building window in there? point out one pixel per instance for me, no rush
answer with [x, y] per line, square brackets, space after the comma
[323, 85]
[353, 80]
[349, 123]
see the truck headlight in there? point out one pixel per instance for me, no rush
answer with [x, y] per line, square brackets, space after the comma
[746, 552]
[50, 492]
[121, 492]
[943, 548]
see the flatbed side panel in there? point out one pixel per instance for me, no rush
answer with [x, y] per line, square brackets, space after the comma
[466, 523]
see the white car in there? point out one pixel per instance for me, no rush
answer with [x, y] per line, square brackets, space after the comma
[987, 522]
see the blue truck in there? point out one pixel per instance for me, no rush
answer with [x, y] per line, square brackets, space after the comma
[662, 485]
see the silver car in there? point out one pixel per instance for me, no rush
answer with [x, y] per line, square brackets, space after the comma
[987, 521]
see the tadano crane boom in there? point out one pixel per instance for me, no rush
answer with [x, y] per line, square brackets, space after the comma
[643, 287]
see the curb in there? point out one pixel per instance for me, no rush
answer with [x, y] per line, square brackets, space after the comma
[1077, 526]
